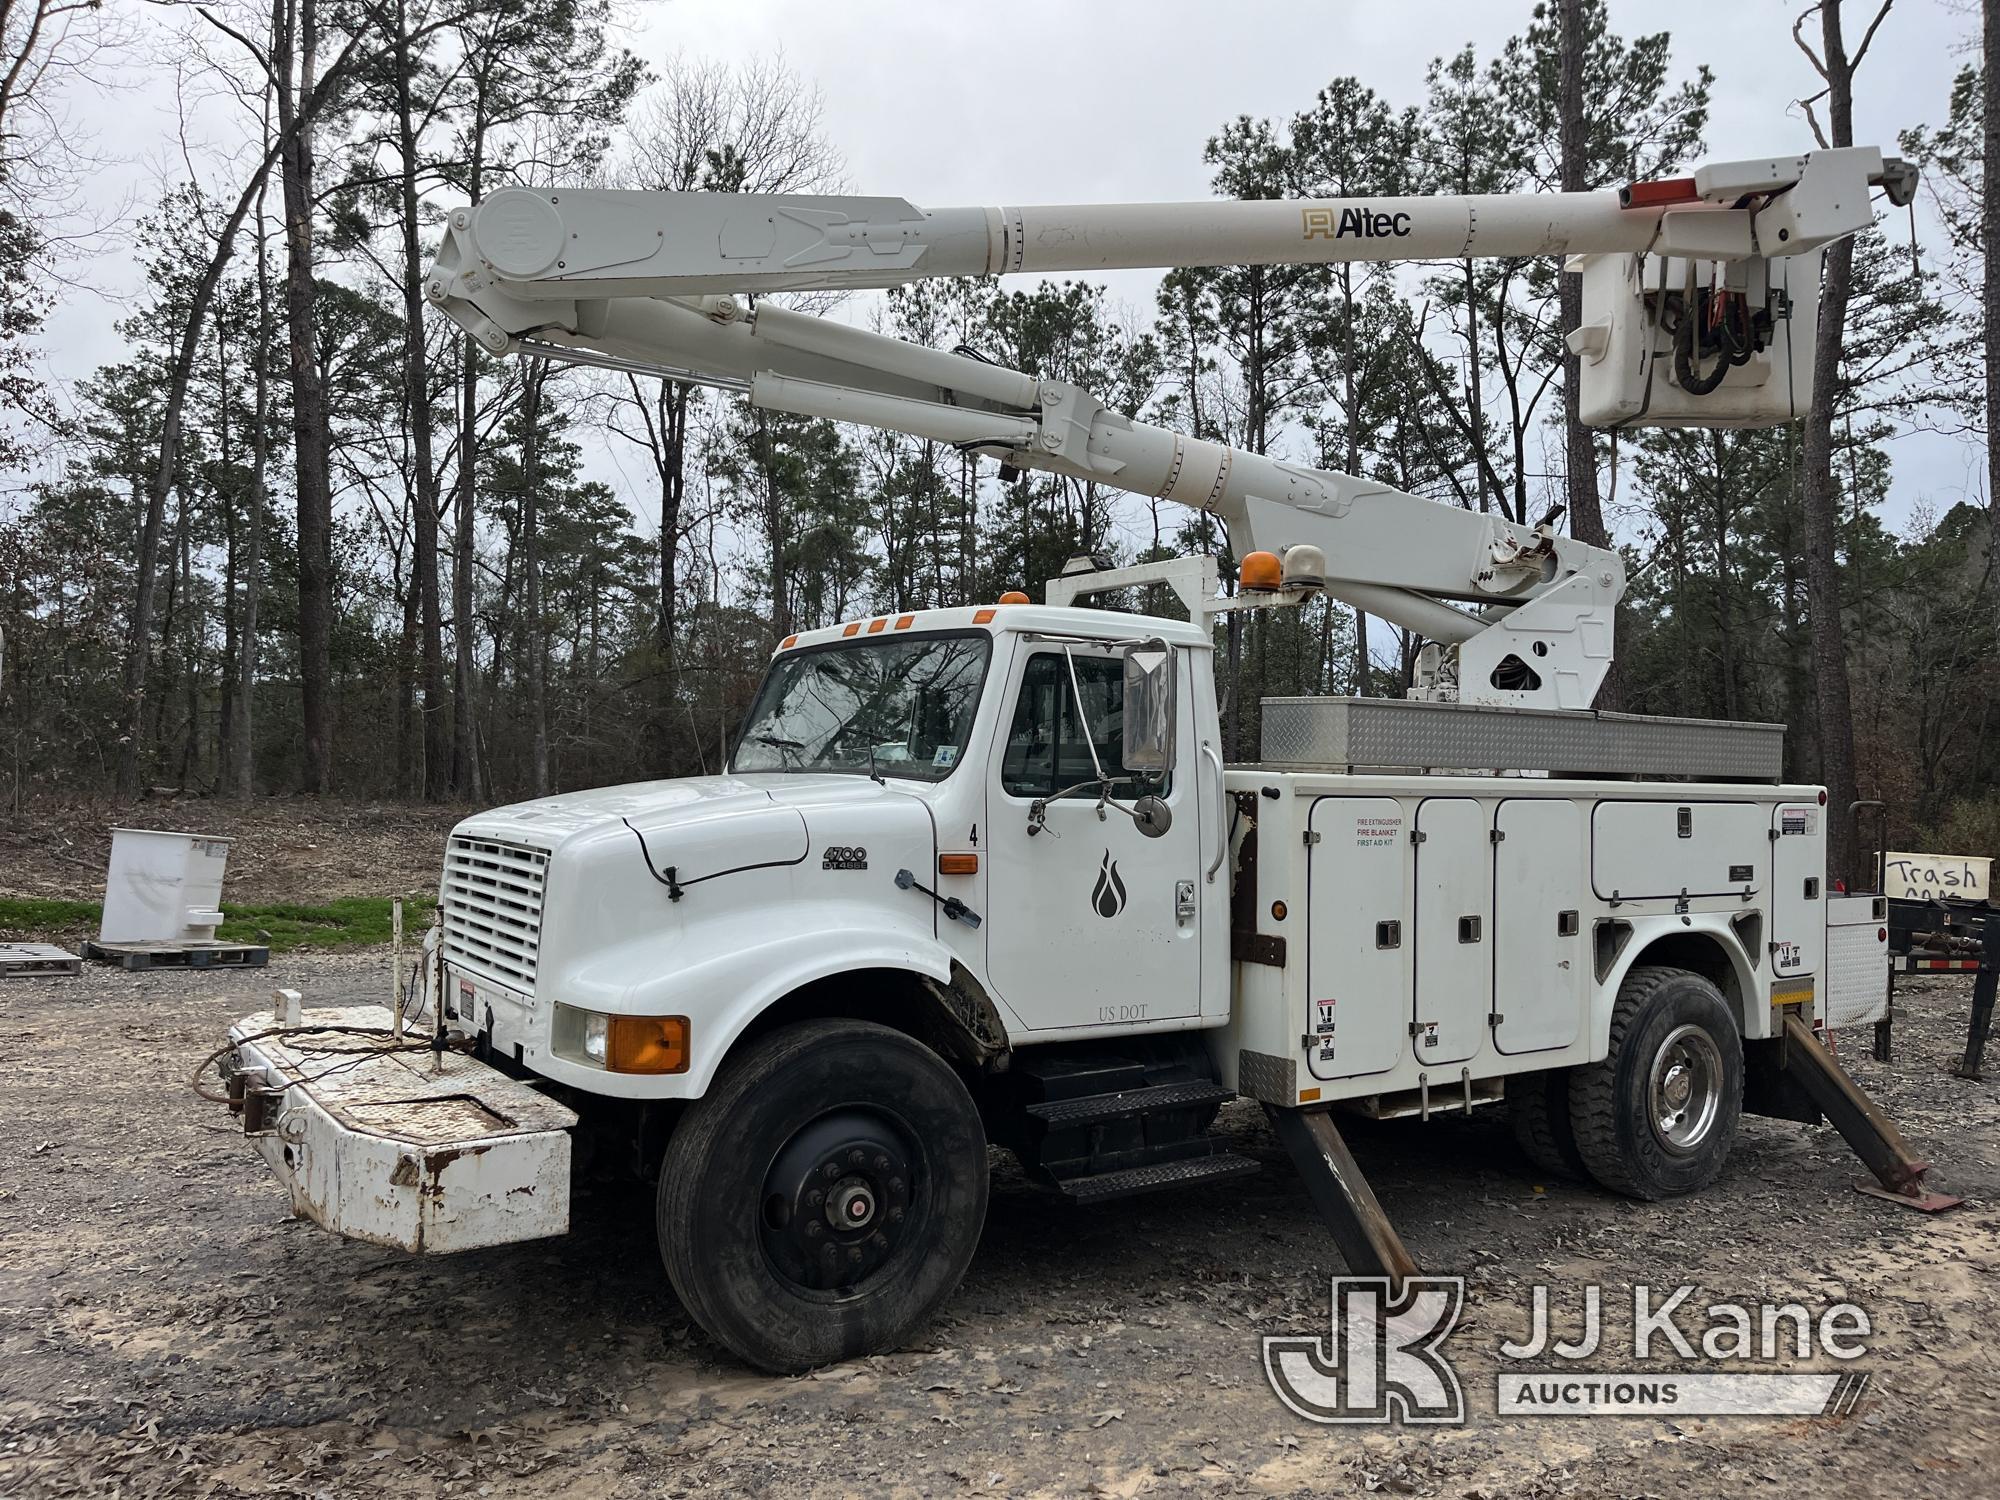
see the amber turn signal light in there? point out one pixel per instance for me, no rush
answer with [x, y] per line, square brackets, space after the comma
[647, 1044]
[958, 864]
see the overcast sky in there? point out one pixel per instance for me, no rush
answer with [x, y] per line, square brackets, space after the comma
[1101, 100]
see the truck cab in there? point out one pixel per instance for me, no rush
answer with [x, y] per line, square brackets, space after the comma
[914, 794]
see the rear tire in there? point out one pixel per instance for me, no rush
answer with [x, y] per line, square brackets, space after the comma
[824, 1197]
[1657, 1117]
[1538, 1109]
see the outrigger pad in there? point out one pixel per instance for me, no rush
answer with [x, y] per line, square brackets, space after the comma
[1921, 1198]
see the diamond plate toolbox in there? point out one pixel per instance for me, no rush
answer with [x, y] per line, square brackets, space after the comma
[1319, 734]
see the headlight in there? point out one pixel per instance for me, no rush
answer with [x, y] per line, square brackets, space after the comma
[622, 1044]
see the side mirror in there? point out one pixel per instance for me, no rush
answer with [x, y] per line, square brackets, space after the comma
[1147, 742]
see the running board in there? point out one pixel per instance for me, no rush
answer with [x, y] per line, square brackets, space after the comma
[1872, 1134]
[1101, 1187]
[1126, 1104]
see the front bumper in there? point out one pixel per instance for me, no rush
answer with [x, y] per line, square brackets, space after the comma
[408, 1149]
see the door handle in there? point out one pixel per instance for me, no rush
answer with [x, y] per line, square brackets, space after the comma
[1184, 904]
[1221, 798]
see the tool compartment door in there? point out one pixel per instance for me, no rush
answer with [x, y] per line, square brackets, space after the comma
[1541, 965]
[1454, 979]
[1649, 851]
[1798, 889]
[1357, 926]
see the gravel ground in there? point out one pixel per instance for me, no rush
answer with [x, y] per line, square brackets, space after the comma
[166, 1328]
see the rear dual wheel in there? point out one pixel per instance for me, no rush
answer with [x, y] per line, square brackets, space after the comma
[825, 1195]
[1538, 1110]
[1658, 1115]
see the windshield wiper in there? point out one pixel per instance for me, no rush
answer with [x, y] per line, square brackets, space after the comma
[780, 743]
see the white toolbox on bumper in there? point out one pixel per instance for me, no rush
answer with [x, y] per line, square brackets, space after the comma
[400, 1148]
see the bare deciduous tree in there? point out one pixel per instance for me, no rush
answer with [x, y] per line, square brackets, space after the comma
[753, 127]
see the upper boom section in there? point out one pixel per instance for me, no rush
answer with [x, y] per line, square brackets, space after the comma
[541, 244]
[1700, 298]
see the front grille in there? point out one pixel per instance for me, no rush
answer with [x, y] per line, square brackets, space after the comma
[493, 909]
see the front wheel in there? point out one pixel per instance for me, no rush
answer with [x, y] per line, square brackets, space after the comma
[1657, 1117]
[825, 1195]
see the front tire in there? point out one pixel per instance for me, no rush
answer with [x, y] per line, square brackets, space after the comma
[1658, 1116]
[824, 1197]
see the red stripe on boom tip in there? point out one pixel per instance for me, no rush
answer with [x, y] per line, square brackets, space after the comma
[1653, 194]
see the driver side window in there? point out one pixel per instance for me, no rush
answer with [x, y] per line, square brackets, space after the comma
[1046, 746]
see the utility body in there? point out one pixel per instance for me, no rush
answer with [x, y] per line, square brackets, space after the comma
[981, 875]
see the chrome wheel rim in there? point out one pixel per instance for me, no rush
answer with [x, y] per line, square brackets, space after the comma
[1685, 1092]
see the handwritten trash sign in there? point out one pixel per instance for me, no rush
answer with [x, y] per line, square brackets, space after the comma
[1921, 876]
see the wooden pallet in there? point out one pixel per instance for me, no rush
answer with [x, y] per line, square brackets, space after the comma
[143, 956]
[17, 959]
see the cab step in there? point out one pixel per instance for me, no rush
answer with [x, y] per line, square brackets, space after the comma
[1101, 1187]
[1126, 1104]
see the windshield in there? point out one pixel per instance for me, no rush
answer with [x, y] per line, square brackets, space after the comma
[909, 701]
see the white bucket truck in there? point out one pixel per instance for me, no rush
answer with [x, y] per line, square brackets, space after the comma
[980, 876]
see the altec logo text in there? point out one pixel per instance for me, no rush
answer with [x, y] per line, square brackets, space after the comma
[1355, 223]
[1383, 1359]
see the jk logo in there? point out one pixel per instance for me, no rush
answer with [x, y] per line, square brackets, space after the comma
[1381, 1359]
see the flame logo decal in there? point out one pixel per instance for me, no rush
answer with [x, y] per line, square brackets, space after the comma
[1109, 896]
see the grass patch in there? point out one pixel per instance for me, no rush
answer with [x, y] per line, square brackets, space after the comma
[352, 922]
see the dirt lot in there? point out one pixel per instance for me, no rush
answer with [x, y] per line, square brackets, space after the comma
[166, 1328]
[282, 849]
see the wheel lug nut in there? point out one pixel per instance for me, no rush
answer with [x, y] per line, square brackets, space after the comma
[815, 1198]
[854, 1255]
[812, 1228]
[895, 1184]
[830, 1171]
[895, 1216]
[881, 1163]
[856, 1158]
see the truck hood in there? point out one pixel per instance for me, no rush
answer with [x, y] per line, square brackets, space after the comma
[771, 812]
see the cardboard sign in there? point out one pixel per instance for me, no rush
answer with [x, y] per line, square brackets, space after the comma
[1921, 876]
